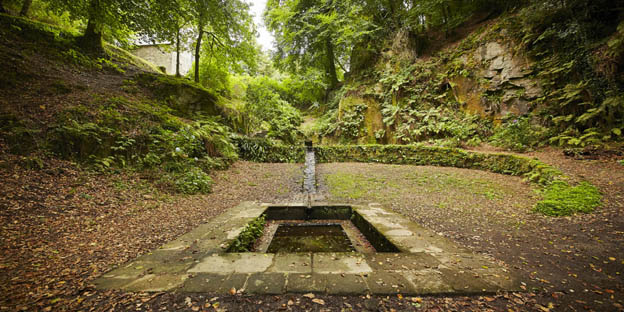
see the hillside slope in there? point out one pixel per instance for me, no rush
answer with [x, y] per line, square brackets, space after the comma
[110, 111]
[516, 81]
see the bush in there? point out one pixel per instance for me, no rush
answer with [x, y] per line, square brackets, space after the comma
[281, 118]
[561, 199]
[517, 134]
[192, 182]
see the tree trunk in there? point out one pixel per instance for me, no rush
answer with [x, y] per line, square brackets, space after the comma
[91, 41]
[178, 54]
[331, 64]
[197, 51]
[25, 7]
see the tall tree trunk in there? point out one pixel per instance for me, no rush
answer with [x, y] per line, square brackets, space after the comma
[331, 64]
[178, 53]
[25, 7]
[197, 51]
[91, 41]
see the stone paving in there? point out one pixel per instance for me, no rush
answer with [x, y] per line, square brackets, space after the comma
[427, 264]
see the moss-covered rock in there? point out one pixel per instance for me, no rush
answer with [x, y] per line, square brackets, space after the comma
[184, 97]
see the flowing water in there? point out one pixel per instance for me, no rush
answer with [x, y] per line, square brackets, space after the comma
[309, 179]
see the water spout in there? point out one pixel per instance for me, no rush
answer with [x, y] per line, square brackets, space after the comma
[309, 181]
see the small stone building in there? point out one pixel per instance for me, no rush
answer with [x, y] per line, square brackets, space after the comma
[164, 55]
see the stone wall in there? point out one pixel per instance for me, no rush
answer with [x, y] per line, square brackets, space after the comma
[165, 56]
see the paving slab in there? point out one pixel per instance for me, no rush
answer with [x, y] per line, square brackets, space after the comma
[306, 283]
[345, 284]
[156, 283]
[292, 263]
[392, 262]
[266, 283]
[428, 282]
[206, 282]
[324, 263]
[388, 283]
[234, 263]
[467, 282]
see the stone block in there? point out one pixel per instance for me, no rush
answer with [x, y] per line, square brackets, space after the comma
[323, 263]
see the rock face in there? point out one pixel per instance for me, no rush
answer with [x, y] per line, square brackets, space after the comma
[509, 89]
[372, 119]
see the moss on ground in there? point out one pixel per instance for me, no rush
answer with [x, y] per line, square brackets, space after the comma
[562, 199]
[557, 198]
[354, 186]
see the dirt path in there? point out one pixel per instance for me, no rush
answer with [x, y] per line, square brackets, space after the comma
[61, 227]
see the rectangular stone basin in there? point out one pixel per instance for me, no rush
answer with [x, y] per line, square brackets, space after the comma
[407, 259]
[310, 238]
[318, 229]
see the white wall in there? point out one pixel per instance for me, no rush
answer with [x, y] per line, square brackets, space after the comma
[160, 55]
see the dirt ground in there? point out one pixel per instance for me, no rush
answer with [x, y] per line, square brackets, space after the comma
[61, 227]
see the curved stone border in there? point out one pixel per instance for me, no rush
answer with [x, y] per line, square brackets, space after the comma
[532, 169]
[197, 262]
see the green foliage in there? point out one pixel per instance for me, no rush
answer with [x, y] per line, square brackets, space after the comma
[21, 137]
[246, 239]
[561, 199]
[263, 150]
[191, 182]
[144, 138]
[583, 100]
[265, 104]
[350, 124]
[518, 134]
[224, 32]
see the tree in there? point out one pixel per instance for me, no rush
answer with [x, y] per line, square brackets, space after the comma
[167, 20]
[225, 25]
[317, 33]
[25, 7]
[114, 18]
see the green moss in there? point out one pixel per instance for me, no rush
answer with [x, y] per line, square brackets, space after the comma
[561, 199]
[184, 97]
[348, 186]
[438, 182]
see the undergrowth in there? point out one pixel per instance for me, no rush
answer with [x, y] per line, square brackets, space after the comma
[246, 239]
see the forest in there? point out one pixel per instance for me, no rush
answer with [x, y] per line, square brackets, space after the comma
[494, 127]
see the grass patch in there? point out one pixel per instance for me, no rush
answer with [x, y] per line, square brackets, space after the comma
[355, 186]
[561, 199]
[346, 185]
[439, 182]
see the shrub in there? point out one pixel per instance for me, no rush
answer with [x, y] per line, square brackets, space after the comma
[517, 134]
[193, 181]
